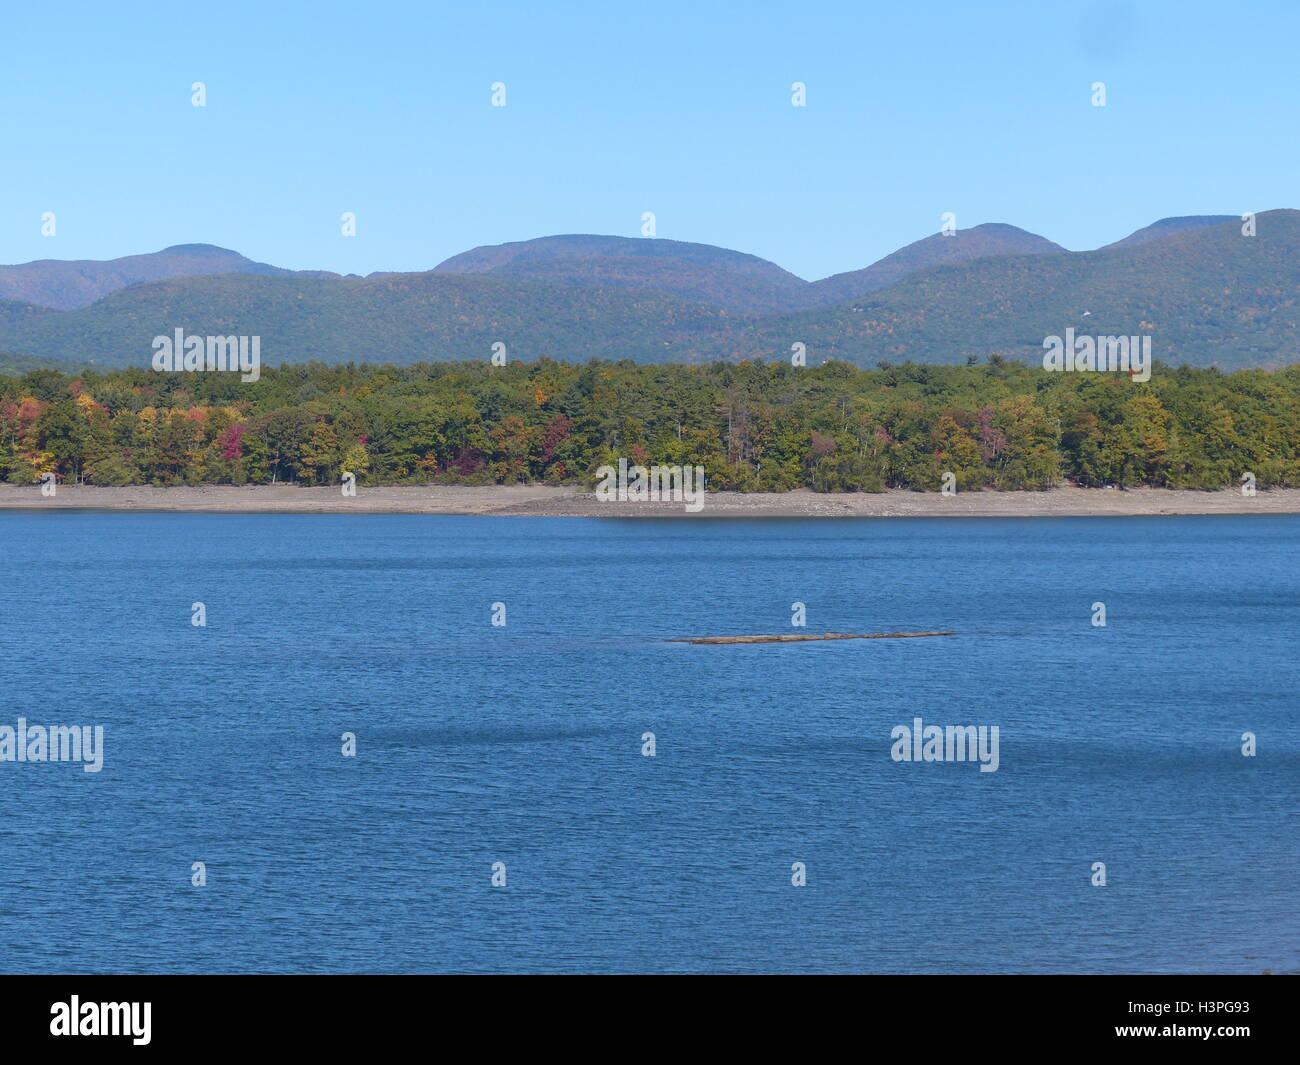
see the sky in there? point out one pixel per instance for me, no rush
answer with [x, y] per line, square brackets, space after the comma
[613, 110]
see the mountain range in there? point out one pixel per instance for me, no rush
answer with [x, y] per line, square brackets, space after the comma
[1207, 294]
[69, 284]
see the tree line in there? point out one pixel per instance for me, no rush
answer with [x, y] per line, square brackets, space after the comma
[753, 426]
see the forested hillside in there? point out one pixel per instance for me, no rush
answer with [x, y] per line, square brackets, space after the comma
[752, 426]
[1205, 293]
[1205, 296]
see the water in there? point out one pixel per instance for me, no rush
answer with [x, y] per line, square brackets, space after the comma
[522, 744]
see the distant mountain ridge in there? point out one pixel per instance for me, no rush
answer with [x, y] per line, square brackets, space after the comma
[68, 284]
[1168, 227]
[739, 283]
[1206, 294]
[390, 318]
[978, 242]
[735, 281]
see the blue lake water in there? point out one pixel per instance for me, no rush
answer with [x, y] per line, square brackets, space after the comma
[522, 744]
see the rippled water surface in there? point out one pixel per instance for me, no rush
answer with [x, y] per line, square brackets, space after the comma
[522, 744]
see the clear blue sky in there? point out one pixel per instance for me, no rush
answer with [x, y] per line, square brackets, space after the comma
[683, 109]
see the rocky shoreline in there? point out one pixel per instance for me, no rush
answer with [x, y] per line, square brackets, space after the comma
[546, 501]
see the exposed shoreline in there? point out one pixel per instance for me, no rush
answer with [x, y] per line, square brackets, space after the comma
[545, 501]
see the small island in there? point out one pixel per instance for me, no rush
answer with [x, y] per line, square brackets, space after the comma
[801, 637]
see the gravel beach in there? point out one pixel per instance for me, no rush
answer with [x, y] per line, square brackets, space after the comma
[547, 501]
